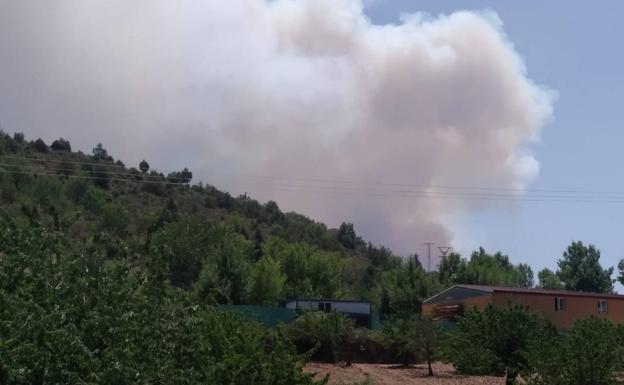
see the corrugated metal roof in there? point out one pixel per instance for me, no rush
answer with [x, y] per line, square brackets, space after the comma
[523, 290]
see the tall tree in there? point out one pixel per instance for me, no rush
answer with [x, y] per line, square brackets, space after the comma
[347, 236]
[548, 279]
[525, 275]
[580, 269]
[99, 152]
[449, 268]
[144, 166]
[266, 282]
[60, 145]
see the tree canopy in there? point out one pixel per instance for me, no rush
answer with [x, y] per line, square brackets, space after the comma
[580, 269]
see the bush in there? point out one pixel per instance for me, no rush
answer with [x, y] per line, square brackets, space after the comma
[100, 177]
[412, 338]
[495, 340]
[76, 189]
[114, 218]
[8, 192]
[590, 353]
[93, 200]
[154, 184]
[326, 331]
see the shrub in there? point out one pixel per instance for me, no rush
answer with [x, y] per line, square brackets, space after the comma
[114, 218]
[76, 189]
[590, 353]
[495, 340]
[154, 184]
[327, 331]
[93, 200]
[8, 192]
[412, 338]
[100, 177]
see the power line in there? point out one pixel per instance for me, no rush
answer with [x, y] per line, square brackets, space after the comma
[91, 177]
[327, 190]
[445, 193]
[143, 175]
[336, 181]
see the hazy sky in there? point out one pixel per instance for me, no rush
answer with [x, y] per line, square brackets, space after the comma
[572, 47]
[512, 95]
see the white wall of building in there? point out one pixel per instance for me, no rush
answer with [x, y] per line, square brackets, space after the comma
[342, 307]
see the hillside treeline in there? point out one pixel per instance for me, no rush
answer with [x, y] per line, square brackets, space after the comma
[228, 249]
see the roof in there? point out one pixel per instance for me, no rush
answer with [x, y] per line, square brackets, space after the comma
[537, 291]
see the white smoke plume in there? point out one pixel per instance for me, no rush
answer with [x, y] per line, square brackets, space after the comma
[284, 88]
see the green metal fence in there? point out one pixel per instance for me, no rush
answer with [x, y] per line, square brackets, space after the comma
[273, 315]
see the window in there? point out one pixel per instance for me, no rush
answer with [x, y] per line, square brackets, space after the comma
[560, 303]
[603, 306]
[324, 306]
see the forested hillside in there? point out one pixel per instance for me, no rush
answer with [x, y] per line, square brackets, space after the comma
[109, 274]
[226, 249]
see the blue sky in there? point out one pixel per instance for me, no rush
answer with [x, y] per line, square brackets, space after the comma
[574, 48]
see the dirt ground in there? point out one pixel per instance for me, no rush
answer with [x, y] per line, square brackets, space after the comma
[380, 374]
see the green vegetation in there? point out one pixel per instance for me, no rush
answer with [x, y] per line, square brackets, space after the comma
[413, 338]
[496, 341]
[591, 352]
[327, 332]
[109, 274]
[82, 319]
[580, 269]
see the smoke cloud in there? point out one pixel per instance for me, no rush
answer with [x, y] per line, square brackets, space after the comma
[309, 92]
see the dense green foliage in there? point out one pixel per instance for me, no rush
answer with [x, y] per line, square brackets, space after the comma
[413, 338]
[580, 269]
[76, 319]
[108, 275]
[233, 249]
[485, 269]
[548, 279]
[330, 332]
[225, 249]
[496, 341]
[591, 352]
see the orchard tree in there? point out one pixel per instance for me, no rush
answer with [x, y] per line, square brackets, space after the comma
[412, 338]
[496, 341]
[591, 352]
[580, 269]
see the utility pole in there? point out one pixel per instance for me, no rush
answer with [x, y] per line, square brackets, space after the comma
[444, 250]
[429, 244]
